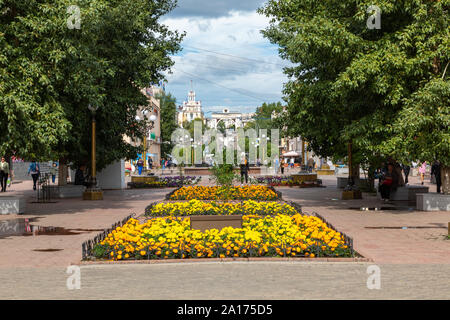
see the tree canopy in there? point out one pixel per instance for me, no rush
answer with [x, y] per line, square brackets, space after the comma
[51, 73]
[384, 89]
[168, 121]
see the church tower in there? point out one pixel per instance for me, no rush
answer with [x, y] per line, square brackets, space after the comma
[190, 110]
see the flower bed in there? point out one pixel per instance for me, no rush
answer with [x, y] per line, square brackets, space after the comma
[172, 238]
[276, 181]
[178, 181]
[196, 207]
[146, 185]
[254, 192]
[273, 181]
[166, 182]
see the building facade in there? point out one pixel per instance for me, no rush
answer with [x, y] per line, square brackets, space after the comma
[190, 110]
[230, 119]
[152, 140]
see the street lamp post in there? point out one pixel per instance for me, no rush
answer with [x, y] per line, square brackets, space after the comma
[93, 192]
[148, 125]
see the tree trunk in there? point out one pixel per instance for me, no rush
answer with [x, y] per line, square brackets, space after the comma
[62, 173]
[355, 172]
[445, 179]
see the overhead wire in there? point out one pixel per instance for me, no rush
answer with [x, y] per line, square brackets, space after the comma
[234, 56]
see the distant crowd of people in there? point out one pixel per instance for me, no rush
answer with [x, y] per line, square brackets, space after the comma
[164, 163]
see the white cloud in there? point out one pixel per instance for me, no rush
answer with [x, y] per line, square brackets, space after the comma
[229, 61]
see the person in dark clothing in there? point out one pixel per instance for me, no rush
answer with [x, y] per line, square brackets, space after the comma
[35, 171]
[150, 163]
[244, 171]
[436, 170]
[80, 178]
[406, 169]
[389, 182]
[4, 172]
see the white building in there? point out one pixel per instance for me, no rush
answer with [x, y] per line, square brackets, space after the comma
[230, 119]
[190, 110]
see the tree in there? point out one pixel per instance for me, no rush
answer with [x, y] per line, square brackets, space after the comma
[221, 127]
[190, 126]
[350, 83]
[50, 74]
[263, 117]
[168, 121]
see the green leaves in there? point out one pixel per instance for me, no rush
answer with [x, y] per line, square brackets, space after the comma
[168, 121]
[350, 82]
[49, 74]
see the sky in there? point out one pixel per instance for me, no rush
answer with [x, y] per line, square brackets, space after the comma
[225, 55]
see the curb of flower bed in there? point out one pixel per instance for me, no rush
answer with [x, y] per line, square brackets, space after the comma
[203, 260]
[278, 193]
[88, 246]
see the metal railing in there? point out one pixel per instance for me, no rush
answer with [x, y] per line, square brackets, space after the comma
[43, 190]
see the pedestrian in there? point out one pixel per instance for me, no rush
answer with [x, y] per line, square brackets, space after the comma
[4, 172]
[35, 170]
[80, 177]
[310, 164]
[282, 168]
[436, 171]
[398, 171]
[244, 170]
[389, 182]
[163, 164]
[140, 165]
[150, 163]
[406, 169]
[53, 171]
[422, 170]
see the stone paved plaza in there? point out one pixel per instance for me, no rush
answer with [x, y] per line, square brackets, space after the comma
[414, 258]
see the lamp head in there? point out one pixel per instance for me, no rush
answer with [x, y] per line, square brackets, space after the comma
[92, 108]
[153, 118]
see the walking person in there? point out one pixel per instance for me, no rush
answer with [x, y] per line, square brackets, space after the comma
[150, 163]
[244, 170]
[436, 171]
[140, 165]
[406, 169]
[422, 171]
[4, 172]
[310, 165]
[35, 170]
[53, 171]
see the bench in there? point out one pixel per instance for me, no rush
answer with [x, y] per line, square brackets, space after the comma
[343, 181]
[407, 193]
[67, 191]
[12, 205]
[432, 202]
